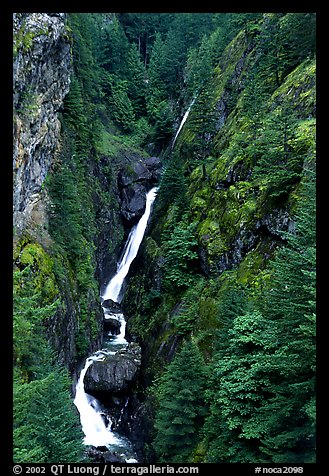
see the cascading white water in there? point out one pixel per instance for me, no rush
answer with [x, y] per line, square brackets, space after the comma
[93, 425]
[97, 431]
[183, 121]
[113, 289]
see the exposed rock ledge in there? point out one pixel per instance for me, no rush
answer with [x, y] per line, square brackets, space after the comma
[115, 373]
[134, 184]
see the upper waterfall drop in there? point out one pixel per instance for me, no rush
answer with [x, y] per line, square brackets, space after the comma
[183, 121]
[135, 238]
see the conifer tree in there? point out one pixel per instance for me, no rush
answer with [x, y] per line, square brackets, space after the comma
[136, 84]
[264, 402]
[179, 256]
[181, 406]
[202, 124]
[278, 161]
[173, 187]
[46, 426]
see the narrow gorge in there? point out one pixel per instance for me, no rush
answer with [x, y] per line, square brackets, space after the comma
[164, 244]
[111, 371]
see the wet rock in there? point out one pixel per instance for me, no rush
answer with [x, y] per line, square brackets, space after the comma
[154, 165]
[115, 373]
[133, 201]
[112, 325]
[103, 455]
[111, 306]
[134, 182]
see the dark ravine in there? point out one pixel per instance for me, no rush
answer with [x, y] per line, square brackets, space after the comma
[221, 218]
[111, 374]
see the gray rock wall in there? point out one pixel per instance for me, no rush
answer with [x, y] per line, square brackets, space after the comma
[41, 79]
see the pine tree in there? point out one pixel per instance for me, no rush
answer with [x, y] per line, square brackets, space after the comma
[264, 397]
[46, 426]
[136, 84]
[156, 90]
[85, 66]
[115, 47]
[278, 160]
[179, 255]
[202, 124]
[181, 406]
[123, 111]
[173, 187]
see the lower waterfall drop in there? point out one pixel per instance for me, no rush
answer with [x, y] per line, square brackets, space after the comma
[97, 427]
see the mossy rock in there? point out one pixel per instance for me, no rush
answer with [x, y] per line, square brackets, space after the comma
[32, 254]
[299, 88]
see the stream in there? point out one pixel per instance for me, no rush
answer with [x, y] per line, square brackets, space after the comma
[95, 421]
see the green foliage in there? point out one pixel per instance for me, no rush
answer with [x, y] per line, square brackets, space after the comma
[29, 316]
[114, 46]
[46, 426]
[243, 152]
[202, 125]
[173, 187]
[185, 317]
[264, 396]
[45, 422]
[40, 266]
[136, 82]
[85, 36]
[179, 257]
[181, 407]
[122, 108]
[277, 160]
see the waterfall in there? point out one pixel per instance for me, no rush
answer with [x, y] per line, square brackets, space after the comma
[113, 289]
[92, 423]
[95, 427]
[183, 121]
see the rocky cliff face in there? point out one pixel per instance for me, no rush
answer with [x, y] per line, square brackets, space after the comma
[41, 79]
[41, 70]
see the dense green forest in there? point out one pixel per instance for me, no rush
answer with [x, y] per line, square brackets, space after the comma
[222, 295]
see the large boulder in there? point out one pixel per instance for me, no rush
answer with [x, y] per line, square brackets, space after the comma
[134, 182]
[111, 306]
[112, 325]
[133, 201]
[154, 165]
[115, 373]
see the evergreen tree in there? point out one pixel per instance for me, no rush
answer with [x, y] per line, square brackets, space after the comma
[123, 111]
[173, 187]
[265, 390]
[181, 406]
[46, 426]
[278, 160]
[141, 29]
[30, 314]
[174, 56]
[202, 124]
[156, 86]
[136, 82]
[85, 67]
[201, 61]
[115, 47]
[179, 256]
